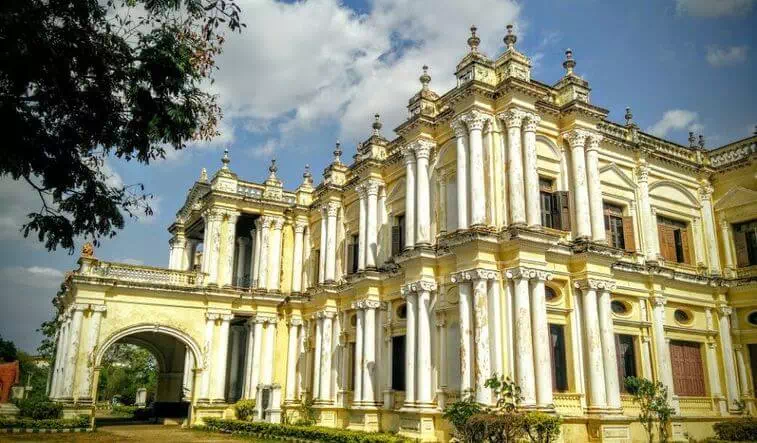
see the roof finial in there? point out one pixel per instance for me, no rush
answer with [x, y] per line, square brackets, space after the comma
[337, 152]
[204, 175]
[629, 117]
[510, 38]
[425, 78]
[307, 176]
[225, 160]
[377, 125]
[569, 63]
[701, 141]
[473, 40]
[692, 140]
[272, 169]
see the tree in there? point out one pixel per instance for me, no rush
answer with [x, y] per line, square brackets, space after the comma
[34, 374]
[126, 368]
[85, 81]
[8, 351]
[652, 399]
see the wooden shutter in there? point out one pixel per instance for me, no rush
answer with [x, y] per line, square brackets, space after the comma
[396, 233]
[628, 237]
[688, 372]
[563, 208]
[687, 258]
[742, 250]
[667, 242]
[351, 259]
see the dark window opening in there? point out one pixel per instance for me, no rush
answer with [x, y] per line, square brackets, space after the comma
[618, 307]
[398, 235]
[354, 253]
[398, 363]
[674, 240]
[625, 348]
[745, 241]
[559, 364]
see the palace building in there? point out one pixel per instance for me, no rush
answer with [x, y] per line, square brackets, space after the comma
[509, 228]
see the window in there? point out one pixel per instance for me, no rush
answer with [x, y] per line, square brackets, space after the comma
[557, 351]
[402, 311]
[674, 240]
[618, 307]
[688, 373]
[618, 229]
[353, 254]
[555, 209]
[398, 363]
[682, 316]
[315, 264]
[398, 235]
[753, 361]
[351, 368]
[549, 293]
[752, 319]
[626, 354]
[745, 240]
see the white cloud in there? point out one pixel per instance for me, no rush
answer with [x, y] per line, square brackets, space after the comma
[34, 276]
[131, 261]
[17, 199]
[714, 8]
[676, 119]
[717, 56]
[265, 150]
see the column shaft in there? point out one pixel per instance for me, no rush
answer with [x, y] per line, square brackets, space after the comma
[593, 342]
[461, 175]
[726, 345]
[326, 331]
[74, 339]
[362, 226]
[258, 239]
[371, 226]
[248, 362]
[265, 239]
[482, 340]
[524, 349]
[241, 249]
[299, 230]
[442, 363]
[423, 375]
[323, 246]
[713, 372]
[495, 329]
[533, 207]
[219, 369]
[331, 244]
[369, 356]
[540, 332]
[725, 235]
[209, 329]
[292, 356]
[317, 359]
[612, 384]
[466, 337]
[515, 169]
[743, 377]
[708, 220]
[581, 192]
[274, 273]
[664, 368]
[411, 348]
[648, 222]
[595, 191]
[477, 176]
[257, 357]
[410, 186]
[85, 391]
[357, 386]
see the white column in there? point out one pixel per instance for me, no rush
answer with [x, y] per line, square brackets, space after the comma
[86, 391]
[188, 377]
[219, 364]
[326, 331]
[258, 236]
[464, 289]
[423, 215]
[533, 206]
[333, 209]
[317, 358]
[292, 357]
[462, 174]
[189, 254]
[662, 349]
[516, 188]
[249, 387]
[269, 354]
[178, 245]
[595, 189]
[306, 266]
[725, 235]
[234, 349]
[541, 339]
[226, 262]
[576, 139]
[713, 372]
[74, 339]
[323, 246]
[708, 221]
[369, 354]
[524, 350]
[442, 218]
[424, 369]
[410, 166]
[491, 166]
[743, 377]
[257, 355]
[441, 391]
[274, 260]
[648, 223]
[579, 349]
[481, 337]
[299, 230]
[612, 384]
[211, 245]
[593, 342]
[357, 384]
[495, 327]
[475, 121]
[362, 226]
[726, 345]
[410, 345]
[241, 249]
[59, 351]
[371, 225]
[210, 322]
[265, 234]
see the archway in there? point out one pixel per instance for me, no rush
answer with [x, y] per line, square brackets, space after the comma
[176, 357]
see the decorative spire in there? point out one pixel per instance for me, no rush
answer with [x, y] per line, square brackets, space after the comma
[425, 78]
[629, 117]
[272, 169]
[701, 141]
[473, 40]
[692, 140]
[569, 63]
[377, 125]
[510, 38]
[225, 160]
[337, 152]
[307, 176]
[204, 175]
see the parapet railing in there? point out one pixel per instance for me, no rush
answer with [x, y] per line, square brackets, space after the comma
[140, 273]
[733, 153]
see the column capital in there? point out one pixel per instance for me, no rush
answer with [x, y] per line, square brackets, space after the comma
[299, 226]
[242, 241]
[295, 321]
[576, 138]
[528, 274]
[418, 286]
[441, 319]
[422, 148]
[513, 117]
[738, 347]
[458, 127]
[212, 316]
[263, 319]
[475, 120]
[409, 154]
[658, 300]
[370, 186]
[724, 225]
[226, 317]
[595, 284]
[367, 304]
[725, 310]
[474, 274]
[325, 314]
[642, 172]
[530, 121]
[331, 208]
[98, 308]
[593, 142]
[705, 192]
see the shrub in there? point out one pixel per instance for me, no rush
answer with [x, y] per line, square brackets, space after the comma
[737, 430]
[306, 411]
[494, 428]
[245, 409]
[304, 432]
[39, 409]
[459, 412]
[541, 427]
[652, 399]
[123, 411]
[81, 421]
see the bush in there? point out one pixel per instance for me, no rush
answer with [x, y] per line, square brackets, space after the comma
[494, 428]
[81, 421]
[458, 414]
[124, 411]
[305, 432]
[39, 409]
[245, 409]
[541, 427]
[737, 430]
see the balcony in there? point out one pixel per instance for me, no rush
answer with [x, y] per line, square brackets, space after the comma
[139, 274]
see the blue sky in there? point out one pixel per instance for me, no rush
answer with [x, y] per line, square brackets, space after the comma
[306, 73]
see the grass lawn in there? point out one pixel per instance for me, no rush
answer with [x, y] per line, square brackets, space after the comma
[146, 433]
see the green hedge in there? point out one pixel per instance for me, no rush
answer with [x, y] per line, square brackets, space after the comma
[306, 432]
[52, 423]
[736, 430]
[39, 409]
[124, 411]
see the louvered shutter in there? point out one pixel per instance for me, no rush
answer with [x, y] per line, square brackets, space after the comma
[351, 262]
[628, 237]
[396, 239]
[742, 251]
[687, 258]
[688, 372]
[563, 208]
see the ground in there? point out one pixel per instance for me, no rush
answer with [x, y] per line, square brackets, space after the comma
[146, 433]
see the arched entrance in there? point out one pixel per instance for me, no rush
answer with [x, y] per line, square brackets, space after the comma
[177, 357]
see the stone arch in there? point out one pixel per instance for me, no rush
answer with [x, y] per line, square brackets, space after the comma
[677, 186]
[181, 336]
[550, 144]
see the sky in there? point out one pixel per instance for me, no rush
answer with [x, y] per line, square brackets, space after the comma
[304, 74]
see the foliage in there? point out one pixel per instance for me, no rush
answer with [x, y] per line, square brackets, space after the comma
[126, 368]
[8, 351]
[458, 414]
[34, 375]
[89, 81]
[736, 430]
[306, 413]
[506, 391]
[494, 428]
[245, 409]
[652, 398]
[123, 410]
[39, 409]
[81, 421]
[273, 430]
[541, 427]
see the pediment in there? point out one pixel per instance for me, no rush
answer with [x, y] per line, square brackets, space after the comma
[738, 196]
[612, 174]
